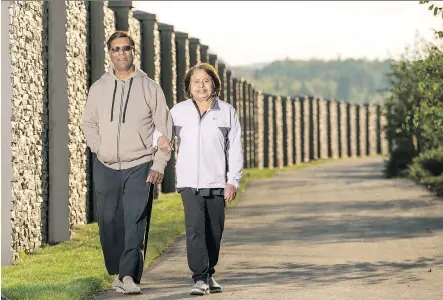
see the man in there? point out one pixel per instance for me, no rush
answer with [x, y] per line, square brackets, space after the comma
[122, 108]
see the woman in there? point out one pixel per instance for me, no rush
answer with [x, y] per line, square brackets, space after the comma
[208, 169]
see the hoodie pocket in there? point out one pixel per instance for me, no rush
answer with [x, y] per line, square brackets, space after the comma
[106, 153]
[133, 145]
[141, 140]
[146, 138]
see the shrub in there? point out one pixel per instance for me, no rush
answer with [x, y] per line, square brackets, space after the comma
[427, 169]
[399, 159]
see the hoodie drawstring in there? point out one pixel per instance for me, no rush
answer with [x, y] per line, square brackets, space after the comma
[127, 98]
[126, 103]
[113, 101]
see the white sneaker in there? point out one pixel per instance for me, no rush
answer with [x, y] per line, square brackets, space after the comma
[127, 286]
[214, 287]
[200, 288]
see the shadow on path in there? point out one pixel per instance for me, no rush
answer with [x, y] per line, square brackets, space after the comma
[303, 274]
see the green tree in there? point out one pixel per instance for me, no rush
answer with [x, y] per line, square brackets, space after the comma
[343, 88]
[414, 106]
[304, 89]
[437, 11]
[320, 77]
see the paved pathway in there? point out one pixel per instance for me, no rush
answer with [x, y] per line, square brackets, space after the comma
[332, 231]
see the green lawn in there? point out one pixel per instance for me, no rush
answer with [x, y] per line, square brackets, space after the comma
[75, 269]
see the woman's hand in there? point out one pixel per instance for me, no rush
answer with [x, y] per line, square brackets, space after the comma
[230, 192]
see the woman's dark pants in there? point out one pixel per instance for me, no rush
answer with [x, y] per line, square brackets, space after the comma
[204, 220]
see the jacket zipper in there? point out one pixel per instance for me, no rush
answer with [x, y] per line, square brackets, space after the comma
[198, 151]
[119, 125]
[198, 145]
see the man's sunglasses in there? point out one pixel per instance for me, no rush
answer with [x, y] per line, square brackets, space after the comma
[116, 49]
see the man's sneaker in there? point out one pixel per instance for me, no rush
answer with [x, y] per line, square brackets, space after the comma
[214, 287]
[127, 286]
[200, 288]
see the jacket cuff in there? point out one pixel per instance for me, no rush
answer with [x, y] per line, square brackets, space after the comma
[159, 166]
[234, 182]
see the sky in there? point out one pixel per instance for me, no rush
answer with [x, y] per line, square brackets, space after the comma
[247, 32]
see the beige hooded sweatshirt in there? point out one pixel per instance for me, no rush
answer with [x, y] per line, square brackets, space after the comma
[119, 120]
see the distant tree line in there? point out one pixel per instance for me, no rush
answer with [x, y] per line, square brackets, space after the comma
[356, 81]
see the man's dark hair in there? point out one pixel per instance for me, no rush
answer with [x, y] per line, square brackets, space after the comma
[211, 72]
[119, 34]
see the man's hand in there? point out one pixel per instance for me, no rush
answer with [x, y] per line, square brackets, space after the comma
[155, 177]
[164, 144]
[230, 192]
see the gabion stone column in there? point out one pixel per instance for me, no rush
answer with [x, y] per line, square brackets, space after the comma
[96, 33]
[108, 27]
[182, 62]
[334, 123]
[353, 129]
[234, 97]
[372, 129]
[298, 120]
[239, 99]
[293, 132]
[204, 54]
[279, 131]
[379, 129]
[168, 82]
[305, 114]
[194, 52]
[348, 130]
[260, 130]
[255, 131]
[168, 78]
[284, 130]
[267, 132]
[222, 75]
[314, 131]
[289, 140]
[239, 103]
[150, 44]
[251, 127]
[357, 129]
[25, 146]
[244, 123]
[274, 147]
[329, 121]
[229, 91]
[317, 125]
[213, 61]
[383, 138]
[121, 10]
[323, 127]
[248, 131]
[81, 200]
[135, 32]
[344, 132]
[362, 112]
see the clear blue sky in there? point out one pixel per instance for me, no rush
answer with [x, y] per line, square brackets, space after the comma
[244, 32]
